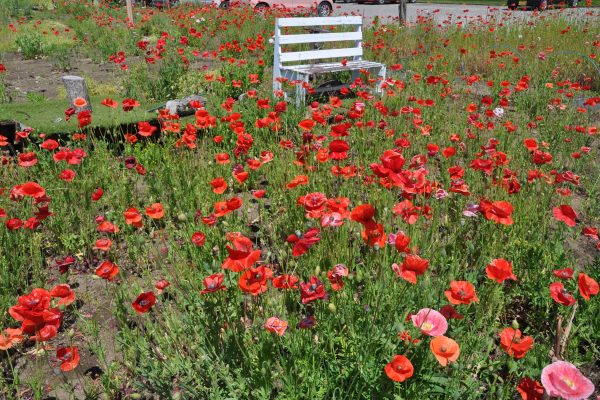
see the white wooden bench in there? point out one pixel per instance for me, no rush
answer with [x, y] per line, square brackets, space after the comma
[288, 66]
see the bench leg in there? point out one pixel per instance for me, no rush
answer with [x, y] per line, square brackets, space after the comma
[301, 91]
[381, 75]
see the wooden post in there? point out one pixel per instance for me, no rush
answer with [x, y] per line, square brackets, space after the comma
[402, 12]
[129, 11]
[76, 87]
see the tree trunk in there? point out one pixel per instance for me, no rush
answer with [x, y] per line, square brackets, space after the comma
[402, 12]
[76, 87]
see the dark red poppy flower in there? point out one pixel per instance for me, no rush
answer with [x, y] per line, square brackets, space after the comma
[308, 322]
[213, 283]
[312, 290]
[530, 389]
[68, 357]
[560, 295]
[449, 312]
[565, 214]
[144, 302]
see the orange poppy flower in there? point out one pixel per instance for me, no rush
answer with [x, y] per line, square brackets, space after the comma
[255, 280]
[107, 270]
[219, 185]
[9, 337]
[399, 369]
[79, 102]
[276, 325]
[444, 349]
[155, 211]
[241, 255]
[298, 180]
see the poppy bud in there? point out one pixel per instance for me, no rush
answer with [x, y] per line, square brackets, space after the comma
[331, 307]
[317, 270]
[515, 324]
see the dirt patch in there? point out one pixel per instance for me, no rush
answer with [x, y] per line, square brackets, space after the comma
[42, 77]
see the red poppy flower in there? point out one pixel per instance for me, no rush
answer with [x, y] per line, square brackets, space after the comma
[374, 235]
[69, 358]
[363, 214]
[213, 283]
[133, 217]
[129, 104]
[297, 181]
[530, 389]
[560, 295]
[497, 211]
[587, 286]
[9, 337]
[67, 175]
[241, 255]
[255, 280]
[461, 292]
[161, 285]
[304, 242]
[219, 185]
[31, 189]
[109, 103]
[64, 293]
[312, 290]
[338, 150]
[146, 129]
[107, 227]
[107, 270]
[27, 160]
[97, 195]
[306, 125]
[144, 302]
[276, 325]
[500, 270]
[13, 224]
[399, 369]
[514, 344]
[565, 214]
[565, 273]
[285, 281]
[198, 239]
[155, 211]
[411, 267]
[401, 243]
[103, 244]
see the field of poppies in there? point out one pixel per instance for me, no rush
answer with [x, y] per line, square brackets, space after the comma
[439, 241]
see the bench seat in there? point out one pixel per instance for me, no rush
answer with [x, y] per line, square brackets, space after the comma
[311, 69]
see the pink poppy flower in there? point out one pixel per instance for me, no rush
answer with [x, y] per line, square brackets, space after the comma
[332, 219]
[430, 322]
[563, 379]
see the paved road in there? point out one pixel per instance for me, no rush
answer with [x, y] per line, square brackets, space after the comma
[453, 13]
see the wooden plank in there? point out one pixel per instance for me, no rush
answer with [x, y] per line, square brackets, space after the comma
[320, 54]
[320, 37]
[316, 21]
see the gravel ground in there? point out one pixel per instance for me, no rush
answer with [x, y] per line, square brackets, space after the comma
[455, 13]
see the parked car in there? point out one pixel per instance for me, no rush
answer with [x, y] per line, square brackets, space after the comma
[540, 5]
[323, 8]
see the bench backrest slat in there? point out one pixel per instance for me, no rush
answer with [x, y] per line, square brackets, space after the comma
[316, 21]
[320, 54]
[320, 37]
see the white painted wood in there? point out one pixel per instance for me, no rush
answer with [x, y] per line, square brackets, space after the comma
[320, 54]
[315, 21]
[321, 37]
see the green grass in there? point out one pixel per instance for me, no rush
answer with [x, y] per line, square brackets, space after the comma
[48, 116]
